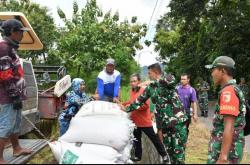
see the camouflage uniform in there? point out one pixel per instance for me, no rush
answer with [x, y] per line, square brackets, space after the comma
[203, 98]
[236, 151]
[171, 114]
[244, 89]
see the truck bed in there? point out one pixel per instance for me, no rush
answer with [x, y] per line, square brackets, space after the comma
[35, 144]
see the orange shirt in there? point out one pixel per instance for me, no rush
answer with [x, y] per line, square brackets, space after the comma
[229, 102]
[142, 117]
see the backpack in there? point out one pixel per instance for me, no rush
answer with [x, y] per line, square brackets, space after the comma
[247, 115]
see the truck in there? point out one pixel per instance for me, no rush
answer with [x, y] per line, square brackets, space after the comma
[40, 104]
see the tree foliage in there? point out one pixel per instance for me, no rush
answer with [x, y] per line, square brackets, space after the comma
[195, 32]
[40, 20]
[91, 36]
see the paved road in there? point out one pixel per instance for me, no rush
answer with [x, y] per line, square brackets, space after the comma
[209, 123]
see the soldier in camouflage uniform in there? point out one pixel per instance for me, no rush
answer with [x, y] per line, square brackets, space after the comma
[171, 115]
[244, 88]
[203, 87]
[227, 137]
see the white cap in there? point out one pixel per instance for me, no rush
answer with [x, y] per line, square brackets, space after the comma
[110, 61]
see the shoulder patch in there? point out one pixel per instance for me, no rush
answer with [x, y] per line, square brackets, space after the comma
[226, 96]
[229, 102]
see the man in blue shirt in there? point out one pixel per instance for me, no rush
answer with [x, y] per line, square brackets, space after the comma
[188, 98]
[108, 83]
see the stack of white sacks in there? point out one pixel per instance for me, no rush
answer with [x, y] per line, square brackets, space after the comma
[99, 133]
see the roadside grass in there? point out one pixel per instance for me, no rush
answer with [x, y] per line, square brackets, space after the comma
[197, 146]
[125, 93]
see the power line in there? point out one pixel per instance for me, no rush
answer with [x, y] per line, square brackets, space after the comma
[152, 14]
[160, 7]
[150, 26]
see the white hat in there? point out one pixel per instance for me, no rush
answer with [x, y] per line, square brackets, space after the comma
[110, 61]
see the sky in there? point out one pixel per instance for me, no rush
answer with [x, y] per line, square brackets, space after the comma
[143, 9]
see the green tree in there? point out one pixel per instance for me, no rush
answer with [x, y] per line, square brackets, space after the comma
[195, 32]
[40, 20]
[91, 36]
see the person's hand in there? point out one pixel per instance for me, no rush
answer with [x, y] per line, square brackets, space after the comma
[160, 134]
[195, 117]
[144, 84]
[127, 105]
[116, 100]
[97, 97]
[92, 98]
[122, 107]
[153, 117]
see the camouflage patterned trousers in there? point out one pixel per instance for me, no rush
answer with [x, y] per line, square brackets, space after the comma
[175, 140]
[235, 154]
[203, 103]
